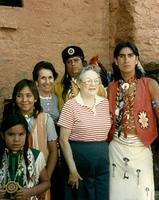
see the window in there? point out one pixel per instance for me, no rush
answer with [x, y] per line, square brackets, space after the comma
[13, 3]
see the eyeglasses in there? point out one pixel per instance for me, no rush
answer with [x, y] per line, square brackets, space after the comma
[90, 81]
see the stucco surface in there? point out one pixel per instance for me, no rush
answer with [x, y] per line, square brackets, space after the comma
[41, 29]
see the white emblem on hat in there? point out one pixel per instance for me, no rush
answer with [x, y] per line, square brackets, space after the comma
[71, 51]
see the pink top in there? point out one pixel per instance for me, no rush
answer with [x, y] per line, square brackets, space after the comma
[86, 124]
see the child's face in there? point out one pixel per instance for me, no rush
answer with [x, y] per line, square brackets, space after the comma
[25, 100]
[15, 137]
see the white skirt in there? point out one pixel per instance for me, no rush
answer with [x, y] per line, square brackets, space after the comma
[131, 172]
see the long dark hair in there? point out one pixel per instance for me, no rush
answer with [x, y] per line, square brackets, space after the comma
[66, 80]
[17, 88]
[118, 48]
[8, 121]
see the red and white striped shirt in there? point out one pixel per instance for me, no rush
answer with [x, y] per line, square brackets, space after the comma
[86, 124]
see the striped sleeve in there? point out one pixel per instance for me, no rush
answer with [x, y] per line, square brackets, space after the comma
[66, 119]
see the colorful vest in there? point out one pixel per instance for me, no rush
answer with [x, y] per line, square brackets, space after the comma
[144, 116]
[38, 136]
[38, 140]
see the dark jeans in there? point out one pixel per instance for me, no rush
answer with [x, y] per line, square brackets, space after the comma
[92, 163]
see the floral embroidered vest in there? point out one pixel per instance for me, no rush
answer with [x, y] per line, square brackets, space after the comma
[144, 116]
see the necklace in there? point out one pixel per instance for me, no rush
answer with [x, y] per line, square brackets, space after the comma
[14, 171]
[20, 177]
[125, 86]
[124, 105]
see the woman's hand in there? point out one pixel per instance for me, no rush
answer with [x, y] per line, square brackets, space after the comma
[74, 176]
[74, 179]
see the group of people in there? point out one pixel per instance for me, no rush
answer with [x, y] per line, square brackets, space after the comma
[85, 139]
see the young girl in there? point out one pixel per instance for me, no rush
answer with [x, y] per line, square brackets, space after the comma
[25, 99]
[22, 170]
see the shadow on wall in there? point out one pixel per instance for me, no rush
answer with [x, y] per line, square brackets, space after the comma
[4, 93]
[152, 70]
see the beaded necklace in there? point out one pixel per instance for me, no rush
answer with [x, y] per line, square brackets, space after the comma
[124, 105]
[12, 172]
[20, 174]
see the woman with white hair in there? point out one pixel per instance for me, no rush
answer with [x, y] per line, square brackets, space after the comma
[85, 123]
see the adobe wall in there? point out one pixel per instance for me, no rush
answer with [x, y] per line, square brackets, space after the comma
[139, 21]
[41, 29]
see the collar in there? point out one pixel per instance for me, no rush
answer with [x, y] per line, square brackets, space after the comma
[79, 99]
[28, 117]
[46, 98]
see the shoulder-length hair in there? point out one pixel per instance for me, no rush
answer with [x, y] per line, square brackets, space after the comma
[8, 121]
[118, 48]
[32, 86]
